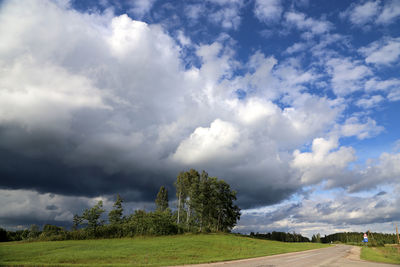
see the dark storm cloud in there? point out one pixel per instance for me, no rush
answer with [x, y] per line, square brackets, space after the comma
[25, 221]
[51, 207]
[50, 175]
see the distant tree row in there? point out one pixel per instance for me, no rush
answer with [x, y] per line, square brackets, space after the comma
[281, 236]
[374, 239]
[205, 204]
[355, 238]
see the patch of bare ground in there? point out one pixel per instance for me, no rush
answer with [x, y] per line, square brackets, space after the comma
[354, 253]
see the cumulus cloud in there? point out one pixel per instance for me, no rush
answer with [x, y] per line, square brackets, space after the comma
[325, 161]
[209, 144]
[227, 17]
[390, 12]
[383, 52]
[377, 85]
[360, 14]
[384, 170]
[353, 127]
[221, 13]
[371, 102]
[297, 47]
[372, 12]
[194, 11]
[309, 25]
[268, 10]
[390, 87]
[347, 75]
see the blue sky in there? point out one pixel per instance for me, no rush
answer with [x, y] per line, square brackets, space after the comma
[294, 103]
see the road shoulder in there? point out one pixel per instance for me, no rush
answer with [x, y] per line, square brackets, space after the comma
[354, 253]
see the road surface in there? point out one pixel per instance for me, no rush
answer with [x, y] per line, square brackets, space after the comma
[335, 256]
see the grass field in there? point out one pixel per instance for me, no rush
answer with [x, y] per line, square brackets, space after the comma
[143, 251]
[387, 254]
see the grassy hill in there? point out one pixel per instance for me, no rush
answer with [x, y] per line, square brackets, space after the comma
[143, 251]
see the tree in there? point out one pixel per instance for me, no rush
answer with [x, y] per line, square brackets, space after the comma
[3, 235]
[316, 238]
[210, 202]
[191, 181]
[34, 232]
[204, 204]
[115, 215]
[162, 199]
[180, 193]
[76, 221]
[92, 216]
[227, 214]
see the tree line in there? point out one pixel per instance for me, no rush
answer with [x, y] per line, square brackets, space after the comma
[281, 236]
[374, 239]
[355, 238]
[205, 204]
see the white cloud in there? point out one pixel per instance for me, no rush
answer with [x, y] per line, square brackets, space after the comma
[325, 161]
[227, 17]
[353, 127]
[140, 7]
[347, 75]
[194, 11]
[391, 87]
[209, 144]
[394, 95]
[376, 85]
[268, 10]
[312, 26]
[28, 95]
[372, 12]
[378, 172]
[390, 12]
[254, 110]
[362, 13]
[297, 47]
[183, 39]
[383, 52]
[370, 102]
[225, 14]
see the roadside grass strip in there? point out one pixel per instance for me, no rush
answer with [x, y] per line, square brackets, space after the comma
[387, 254]
[144, 251]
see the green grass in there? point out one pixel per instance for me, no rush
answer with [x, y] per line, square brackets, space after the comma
[387, 254]
[143, 251]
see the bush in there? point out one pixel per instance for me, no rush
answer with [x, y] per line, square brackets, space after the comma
[3, 235]
[53, 233]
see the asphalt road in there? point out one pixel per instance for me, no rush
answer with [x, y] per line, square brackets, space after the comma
[335, 256]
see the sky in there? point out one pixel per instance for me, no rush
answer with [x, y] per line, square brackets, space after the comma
[294, 103]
